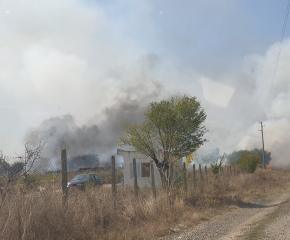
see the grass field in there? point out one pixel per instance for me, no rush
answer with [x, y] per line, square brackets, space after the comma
[34, 210]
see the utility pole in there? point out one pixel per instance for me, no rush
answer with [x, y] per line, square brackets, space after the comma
[263, 144]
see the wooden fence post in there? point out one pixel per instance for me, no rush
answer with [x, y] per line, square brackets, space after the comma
[153, 180]
[194, 176]
[200, 173]
[230, 170]
[64, 178]
[19, 225]
[205, 170]
[171, 180]
[184, 177]
[234, 171]
[113, 165]
[135, 178]
[221, 171]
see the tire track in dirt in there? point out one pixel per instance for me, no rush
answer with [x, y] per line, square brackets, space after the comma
[273, 226]
[235, 224]
[245, 226]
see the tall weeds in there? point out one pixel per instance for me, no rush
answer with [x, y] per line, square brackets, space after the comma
[34, 214]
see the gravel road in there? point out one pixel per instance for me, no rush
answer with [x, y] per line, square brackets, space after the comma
[279, 226]
[271, 213]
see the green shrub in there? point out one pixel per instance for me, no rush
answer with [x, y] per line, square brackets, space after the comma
[236, 156]
[31, 180]
[260, 153]
[216, 167]
[249, 162]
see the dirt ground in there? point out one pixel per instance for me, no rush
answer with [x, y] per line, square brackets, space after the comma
[265, 218]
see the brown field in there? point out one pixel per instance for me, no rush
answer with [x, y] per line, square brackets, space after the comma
[34, 210]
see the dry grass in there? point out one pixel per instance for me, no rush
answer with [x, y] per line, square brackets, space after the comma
[52, 181]
[34, 214]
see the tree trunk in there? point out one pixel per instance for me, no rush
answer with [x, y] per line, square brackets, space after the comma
[164, 174]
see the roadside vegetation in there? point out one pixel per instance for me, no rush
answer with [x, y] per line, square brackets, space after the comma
[37, 213]
[236, 156]
[173, 127]
[32, 205]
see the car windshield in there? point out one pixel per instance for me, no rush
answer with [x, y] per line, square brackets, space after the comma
[81, 177]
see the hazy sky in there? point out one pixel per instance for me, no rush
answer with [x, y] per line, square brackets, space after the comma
[80, 57]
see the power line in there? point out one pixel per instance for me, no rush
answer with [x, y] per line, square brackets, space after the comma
[277, 59]
[278, 55]
[284, 98]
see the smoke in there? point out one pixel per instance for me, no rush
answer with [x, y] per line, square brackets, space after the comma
[98, 137]
[236, 127]
[62, 132]
[86, 67]
[232, 125]
[276, 140]
[276, 114]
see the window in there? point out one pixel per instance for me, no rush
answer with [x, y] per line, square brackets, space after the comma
[143, 170]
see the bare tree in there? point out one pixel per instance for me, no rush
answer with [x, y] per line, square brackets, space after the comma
[10, 169]
[32, 154]
[3, 164]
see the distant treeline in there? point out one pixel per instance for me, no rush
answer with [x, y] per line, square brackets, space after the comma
[80, 162]
[232, 158]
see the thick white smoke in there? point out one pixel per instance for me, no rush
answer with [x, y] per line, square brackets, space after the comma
[100, 134]
[231, 126]
[277, 112]
[87, 67]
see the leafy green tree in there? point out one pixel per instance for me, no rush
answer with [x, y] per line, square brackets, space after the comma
[260, 153]
[249, 162]
[173, 127]
[235, 157]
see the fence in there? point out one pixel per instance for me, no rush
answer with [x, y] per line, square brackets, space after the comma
[42, 200]
[54, 175]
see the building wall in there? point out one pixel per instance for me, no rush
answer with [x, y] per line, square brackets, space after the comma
[140, 158]
[142, 181]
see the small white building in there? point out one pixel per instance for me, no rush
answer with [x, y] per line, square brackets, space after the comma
[143, 165]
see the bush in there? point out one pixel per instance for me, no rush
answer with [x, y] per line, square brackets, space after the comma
[215, 168]
[32, 180]
[249, 162]
[236, 156]
[260, 153]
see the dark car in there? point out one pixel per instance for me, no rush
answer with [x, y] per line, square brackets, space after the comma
[85, 179]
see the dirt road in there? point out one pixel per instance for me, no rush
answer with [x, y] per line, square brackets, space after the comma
[267, 218]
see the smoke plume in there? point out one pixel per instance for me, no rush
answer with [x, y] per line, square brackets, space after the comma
[98, 137]
[72, 71]
[232, 126]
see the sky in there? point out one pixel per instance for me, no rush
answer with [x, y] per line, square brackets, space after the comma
[72, 70]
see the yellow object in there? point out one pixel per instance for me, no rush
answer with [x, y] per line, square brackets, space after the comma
[189, 159]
